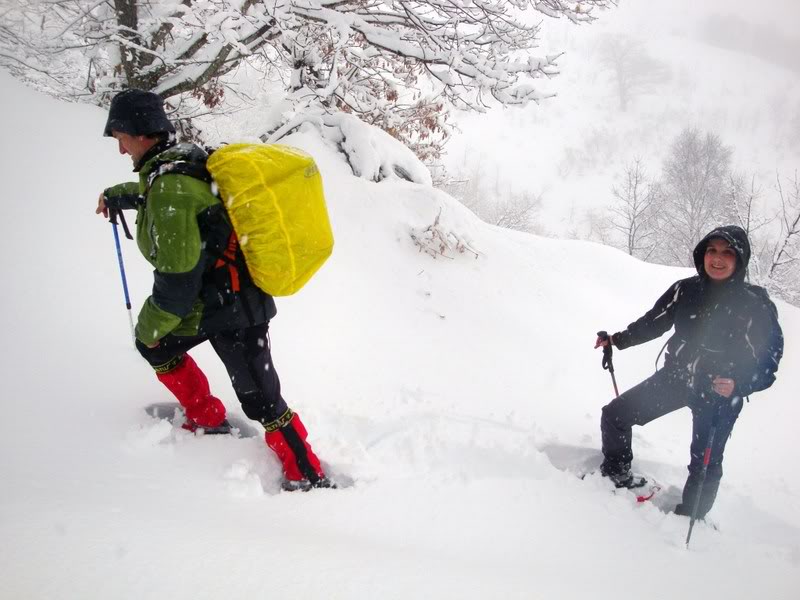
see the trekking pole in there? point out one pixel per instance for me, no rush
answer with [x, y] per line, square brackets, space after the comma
[113, 214]
[608, 365]
[706, 460]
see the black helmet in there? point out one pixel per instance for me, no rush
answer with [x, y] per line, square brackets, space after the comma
[137, 112]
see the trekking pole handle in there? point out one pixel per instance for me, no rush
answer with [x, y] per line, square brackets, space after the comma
[608, 365]
[113, 214]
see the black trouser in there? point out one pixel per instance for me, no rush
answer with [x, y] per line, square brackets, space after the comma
[663, 393]
[245, 354]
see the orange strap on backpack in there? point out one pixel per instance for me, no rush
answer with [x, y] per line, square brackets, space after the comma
[230, 255]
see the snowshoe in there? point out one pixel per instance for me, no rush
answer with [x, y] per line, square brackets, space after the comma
[304, 485]
[221, 429]
[174, 413]
[627, 480]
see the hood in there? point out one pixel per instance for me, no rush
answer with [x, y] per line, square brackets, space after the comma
[737, 238]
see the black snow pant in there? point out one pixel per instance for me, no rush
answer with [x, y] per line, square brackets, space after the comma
[663, 393]
[245, 354]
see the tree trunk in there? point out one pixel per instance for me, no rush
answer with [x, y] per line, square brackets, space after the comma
[128, 21]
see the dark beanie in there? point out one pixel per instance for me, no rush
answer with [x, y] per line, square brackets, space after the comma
[137, 112]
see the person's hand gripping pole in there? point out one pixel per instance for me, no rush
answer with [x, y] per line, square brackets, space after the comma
[604, 340]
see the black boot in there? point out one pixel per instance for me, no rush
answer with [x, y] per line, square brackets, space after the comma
[622, 476]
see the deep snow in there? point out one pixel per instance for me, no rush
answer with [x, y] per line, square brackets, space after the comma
[445, 389]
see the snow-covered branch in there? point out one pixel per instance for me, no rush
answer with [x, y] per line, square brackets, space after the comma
[394, 63]
[787, 250]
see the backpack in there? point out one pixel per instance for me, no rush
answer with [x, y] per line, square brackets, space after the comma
[274, 199]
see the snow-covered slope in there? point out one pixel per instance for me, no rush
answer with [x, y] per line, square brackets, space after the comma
[445, 389]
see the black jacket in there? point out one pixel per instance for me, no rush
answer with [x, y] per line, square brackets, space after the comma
[727, 329]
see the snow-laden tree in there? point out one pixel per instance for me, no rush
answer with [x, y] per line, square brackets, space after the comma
[394, 63]
[694, 182]
[774, 235]
[634, 213]
[635, 70]
[783, 275]
[742, 205]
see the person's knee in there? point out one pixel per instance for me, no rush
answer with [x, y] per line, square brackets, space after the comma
[162, 361]
[259, 406]
[154, 356]
[611, 416]
[143, 350]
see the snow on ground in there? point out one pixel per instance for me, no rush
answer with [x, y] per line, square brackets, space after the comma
[446, 390]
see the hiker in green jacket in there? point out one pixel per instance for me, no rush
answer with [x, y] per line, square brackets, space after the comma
[202, 290]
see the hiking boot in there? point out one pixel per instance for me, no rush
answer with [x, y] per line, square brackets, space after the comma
[304, 485]
[623, 478]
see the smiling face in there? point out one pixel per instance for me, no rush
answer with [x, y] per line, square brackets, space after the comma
[720, 260]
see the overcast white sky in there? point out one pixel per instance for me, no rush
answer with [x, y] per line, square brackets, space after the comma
[783, 15]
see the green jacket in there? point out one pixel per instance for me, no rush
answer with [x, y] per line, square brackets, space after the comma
[182, 230]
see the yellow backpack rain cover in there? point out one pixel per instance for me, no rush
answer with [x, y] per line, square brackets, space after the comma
[274, 198]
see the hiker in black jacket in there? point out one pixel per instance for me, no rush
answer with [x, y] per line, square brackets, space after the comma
[727, 345]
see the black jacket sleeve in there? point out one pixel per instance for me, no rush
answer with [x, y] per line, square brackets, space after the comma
[123, 196]
[764, 339]
[655, 322]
